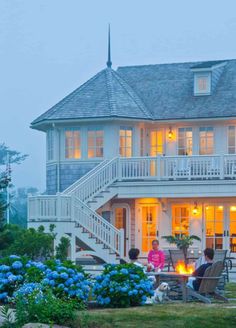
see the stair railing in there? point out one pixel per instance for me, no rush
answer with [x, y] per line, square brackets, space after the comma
[98, 227]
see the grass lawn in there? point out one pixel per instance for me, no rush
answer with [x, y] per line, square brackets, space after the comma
[173, 315]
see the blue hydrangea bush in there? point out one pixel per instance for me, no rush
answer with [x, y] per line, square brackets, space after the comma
[122, 285]
[22, 277]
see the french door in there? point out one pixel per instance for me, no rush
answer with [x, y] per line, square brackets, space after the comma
[230, 231]
[214, 226]
[156, 145]
[149, 221]
[220, 227]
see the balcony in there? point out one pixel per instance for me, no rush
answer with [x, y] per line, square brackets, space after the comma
[178, 167]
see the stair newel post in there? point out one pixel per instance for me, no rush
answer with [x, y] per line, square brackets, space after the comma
[122, 242]
[119, 169]
[58, 206]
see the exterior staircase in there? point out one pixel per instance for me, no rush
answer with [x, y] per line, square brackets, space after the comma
[78, 204]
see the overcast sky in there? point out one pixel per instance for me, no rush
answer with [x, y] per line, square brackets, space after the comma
[49, 47]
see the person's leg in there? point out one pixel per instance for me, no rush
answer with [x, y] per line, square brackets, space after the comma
[190, 282]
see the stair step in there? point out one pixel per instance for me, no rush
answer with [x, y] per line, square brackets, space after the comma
[105, 191]
[98, 196]
[92, 201]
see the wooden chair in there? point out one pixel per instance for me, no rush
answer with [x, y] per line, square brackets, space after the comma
[176, 255]
[208, 286]
[220, 255]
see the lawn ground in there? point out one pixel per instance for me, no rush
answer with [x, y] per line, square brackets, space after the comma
[173, 315]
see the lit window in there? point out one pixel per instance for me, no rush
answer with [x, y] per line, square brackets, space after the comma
[126, 142]
[202, 84]
[180, 220]
[206, 135]
[185, 141]
[50, 145]
[72, 144]
[156, 143]
[231, 140]
[95, 143]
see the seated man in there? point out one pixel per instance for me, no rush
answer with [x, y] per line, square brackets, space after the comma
[156, 257]
[195, 283]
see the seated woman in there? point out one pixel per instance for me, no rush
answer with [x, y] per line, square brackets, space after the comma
[156, 257]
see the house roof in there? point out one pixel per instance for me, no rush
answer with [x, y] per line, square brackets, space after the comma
[104, 95]
[155, 92]
[167, 91]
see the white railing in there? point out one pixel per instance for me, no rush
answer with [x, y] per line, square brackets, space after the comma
[178, 167]
[49, 207]
[100, 228]
[97, 181]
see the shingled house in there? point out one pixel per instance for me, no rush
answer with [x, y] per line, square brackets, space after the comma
[140, 152]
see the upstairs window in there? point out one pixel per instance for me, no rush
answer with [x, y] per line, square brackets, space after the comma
[185, 141]
[50, 145]
[72, 144]
[126, 141]
[231, 140]
[95, 143]
[202, 84]
[206, 142]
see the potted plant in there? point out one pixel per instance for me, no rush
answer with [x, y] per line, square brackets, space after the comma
[183, 242]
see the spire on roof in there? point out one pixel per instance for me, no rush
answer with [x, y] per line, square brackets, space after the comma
[109, 63]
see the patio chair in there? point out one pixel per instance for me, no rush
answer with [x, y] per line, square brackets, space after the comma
[208, 286]
[213, 168]
[220, 255]
[176, 255]
[182, 168]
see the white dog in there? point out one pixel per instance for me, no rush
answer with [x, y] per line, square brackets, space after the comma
[160, 293]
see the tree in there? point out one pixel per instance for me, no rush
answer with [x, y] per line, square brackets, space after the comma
[7, 157]
[63, 248]
[33, 243]
[15, 157]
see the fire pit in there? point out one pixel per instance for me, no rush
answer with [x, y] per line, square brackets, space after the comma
[183, 268]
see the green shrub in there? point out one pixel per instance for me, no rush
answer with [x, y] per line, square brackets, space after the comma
[44, 308]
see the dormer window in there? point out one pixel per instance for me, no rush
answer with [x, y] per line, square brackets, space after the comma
[202, 84]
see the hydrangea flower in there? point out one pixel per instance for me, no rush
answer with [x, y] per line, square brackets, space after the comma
[17, 265]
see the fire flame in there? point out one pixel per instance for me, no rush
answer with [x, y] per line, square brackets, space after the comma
[183, 269]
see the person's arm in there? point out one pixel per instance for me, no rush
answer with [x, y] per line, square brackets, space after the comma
[150, 257]
[198, 272]
[162, 260]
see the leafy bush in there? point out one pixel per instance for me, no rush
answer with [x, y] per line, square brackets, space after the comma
[122, 286]
[33, 305]
[66, 280]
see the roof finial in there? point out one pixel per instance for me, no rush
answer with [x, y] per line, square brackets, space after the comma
[109, 63]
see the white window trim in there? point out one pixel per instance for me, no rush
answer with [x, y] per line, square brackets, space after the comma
[132, 139]
[64, 143]
[197, 76]
[95, 128]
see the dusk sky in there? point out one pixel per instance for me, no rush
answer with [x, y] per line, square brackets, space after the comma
[49, 47]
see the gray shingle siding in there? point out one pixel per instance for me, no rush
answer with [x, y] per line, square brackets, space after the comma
[69, 173]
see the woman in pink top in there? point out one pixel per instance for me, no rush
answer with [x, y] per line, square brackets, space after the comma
[156, 257]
